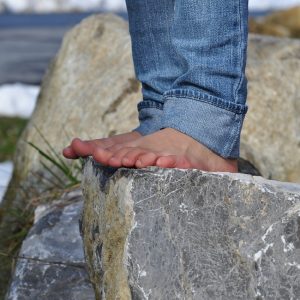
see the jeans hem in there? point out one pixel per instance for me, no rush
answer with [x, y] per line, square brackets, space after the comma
[203, 97]
[213, 126]
[150, 104]
[150, 115]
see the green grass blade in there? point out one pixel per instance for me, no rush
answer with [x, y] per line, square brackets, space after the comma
[51, 148]
[60, 182]
[66, 170]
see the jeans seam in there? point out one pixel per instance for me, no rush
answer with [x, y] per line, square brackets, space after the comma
[149, 104]
[240, 51]
[234, 134]
[212, 101]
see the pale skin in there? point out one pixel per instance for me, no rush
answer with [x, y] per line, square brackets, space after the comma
[166, 148]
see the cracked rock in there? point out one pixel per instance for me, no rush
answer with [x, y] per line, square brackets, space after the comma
[185, 234]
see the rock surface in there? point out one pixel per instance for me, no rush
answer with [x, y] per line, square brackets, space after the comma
[89, 91]
[186, 234]
[51, 263]
[86, 91]
[285, 23]
[271, 134]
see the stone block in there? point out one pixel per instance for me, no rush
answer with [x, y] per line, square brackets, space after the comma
[185, 234]
[51, 263]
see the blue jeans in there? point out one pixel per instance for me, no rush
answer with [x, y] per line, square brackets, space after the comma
[190, 57]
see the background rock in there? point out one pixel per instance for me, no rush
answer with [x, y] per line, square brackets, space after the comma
[51, 264]
[184, 234]
[89, 91]
[284, 23]
[271, 132]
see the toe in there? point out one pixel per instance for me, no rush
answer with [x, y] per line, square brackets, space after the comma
[102, 155]
[146, 160]
[173, 161]
[131, 157]
[82, 148]
[68, 152]
[117, 157]
[166, 161]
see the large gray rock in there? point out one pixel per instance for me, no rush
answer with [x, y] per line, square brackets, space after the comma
[186, 234]
[271, 133]
[51, 263]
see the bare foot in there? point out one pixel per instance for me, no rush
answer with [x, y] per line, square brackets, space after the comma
[79, 148]
[167, 148]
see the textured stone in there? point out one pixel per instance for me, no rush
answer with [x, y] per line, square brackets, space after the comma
[51, 263]
[284, 23]
[86, 91]
[271, 133]
[89, 91]
[186, 234]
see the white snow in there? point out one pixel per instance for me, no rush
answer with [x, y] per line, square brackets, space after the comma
[272, 4]
[6, 169]
[18, 99]
[44, 6]
[41, 6]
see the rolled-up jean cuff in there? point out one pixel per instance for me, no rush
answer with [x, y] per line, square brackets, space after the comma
[216, 127]
[150, 115]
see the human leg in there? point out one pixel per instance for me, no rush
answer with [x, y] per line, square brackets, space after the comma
[149, 24]
[205, 106]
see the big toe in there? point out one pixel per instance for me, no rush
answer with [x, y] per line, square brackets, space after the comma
[68, 152]
[82, 148]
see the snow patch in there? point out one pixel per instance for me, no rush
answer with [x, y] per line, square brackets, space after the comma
[272, 4]
[18, 100]
[46, 6]
[6, 169]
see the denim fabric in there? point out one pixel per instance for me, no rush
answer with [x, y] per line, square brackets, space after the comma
[190, 57]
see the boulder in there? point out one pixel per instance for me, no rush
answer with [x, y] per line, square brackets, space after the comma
[271, 133]
[51, 265]
[285, 23]
[89, 91]
[185, 234]
[86, 91]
